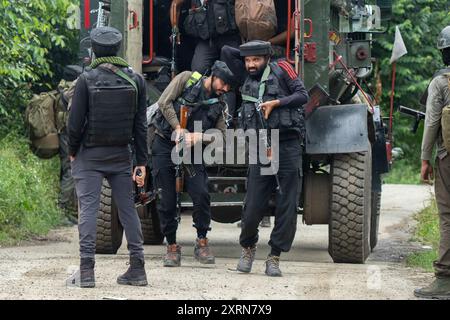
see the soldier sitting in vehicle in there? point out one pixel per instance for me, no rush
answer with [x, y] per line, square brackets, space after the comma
[201, 95]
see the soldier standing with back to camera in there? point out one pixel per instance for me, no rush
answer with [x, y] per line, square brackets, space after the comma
[438, 98]
[108, 111]
[283, 98]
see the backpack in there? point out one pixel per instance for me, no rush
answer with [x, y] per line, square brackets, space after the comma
[256, 19]
[66, 89]
[46, 116]
[40, 117]
[445, 121]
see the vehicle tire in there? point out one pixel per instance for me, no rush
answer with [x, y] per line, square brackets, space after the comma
[151, 228]
[349, 226]
[375, 218]
[109, 229]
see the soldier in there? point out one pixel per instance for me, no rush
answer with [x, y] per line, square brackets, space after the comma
[201, 95]
[438, 98]
[212, 23]
[108, 111]
[67, 200]
[283, 97]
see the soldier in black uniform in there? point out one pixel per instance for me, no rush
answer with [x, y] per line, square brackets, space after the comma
[212, 23]
[203, 97]
[108, 111]
[282, 100]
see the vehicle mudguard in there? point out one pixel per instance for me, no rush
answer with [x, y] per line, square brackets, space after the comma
[337, 129]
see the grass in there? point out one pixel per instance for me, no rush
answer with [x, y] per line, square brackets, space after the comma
[427, 232]
[403, 173]
[28, 192]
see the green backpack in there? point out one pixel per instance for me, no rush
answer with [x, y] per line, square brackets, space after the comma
[40, 117]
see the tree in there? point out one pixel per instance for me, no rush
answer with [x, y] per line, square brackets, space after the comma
[31, 33]
[420, 22]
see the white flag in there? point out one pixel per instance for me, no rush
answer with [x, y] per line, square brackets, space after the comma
[399, 49]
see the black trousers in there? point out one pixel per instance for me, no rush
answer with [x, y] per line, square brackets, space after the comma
[259, 190]
[164, 178]
[90, 167]
[208, 51]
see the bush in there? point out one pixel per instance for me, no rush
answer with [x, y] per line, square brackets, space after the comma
[427, 232]
[28, 191]
[34, 42]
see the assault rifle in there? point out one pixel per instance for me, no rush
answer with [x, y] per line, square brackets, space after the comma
[180, 167]
[143, 198]
[418, 115]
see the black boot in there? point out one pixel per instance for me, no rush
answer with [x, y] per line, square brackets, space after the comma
[135, 275]
[87, 276]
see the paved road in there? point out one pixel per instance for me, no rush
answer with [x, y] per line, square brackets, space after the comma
[39, 270]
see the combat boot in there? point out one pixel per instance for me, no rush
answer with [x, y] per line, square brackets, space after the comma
[202, 252]
[135, 275]
[246, 260]
[273, 266]
[173, 256]
[438, 289]
[87, 276]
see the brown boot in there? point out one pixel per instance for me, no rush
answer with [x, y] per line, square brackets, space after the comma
[173, 256]
[202, 252]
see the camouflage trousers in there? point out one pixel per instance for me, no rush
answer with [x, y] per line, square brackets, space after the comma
[67, 199]
[442, 190]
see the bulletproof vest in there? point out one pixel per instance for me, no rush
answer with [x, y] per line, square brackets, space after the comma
[282, 118]
[112, 108]
[207, 111]
[210, 18]
[423, 99]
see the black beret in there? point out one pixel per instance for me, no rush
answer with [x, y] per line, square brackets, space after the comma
[256, 48]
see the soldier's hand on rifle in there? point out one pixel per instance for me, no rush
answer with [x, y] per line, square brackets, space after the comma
[140, 180]
[193, 138]
[268, 106]
[426, 172]
[178, 134]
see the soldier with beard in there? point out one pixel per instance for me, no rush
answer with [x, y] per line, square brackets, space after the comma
[274, 89]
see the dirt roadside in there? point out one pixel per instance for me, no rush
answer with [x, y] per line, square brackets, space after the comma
[39, 271]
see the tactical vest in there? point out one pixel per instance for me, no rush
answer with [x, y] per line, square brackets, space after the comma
[255, 92]
[207, 111]
[210, 18]
[112, 108]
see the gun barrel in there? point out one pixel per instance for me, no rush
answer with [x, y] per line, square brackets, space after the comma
[412, 112]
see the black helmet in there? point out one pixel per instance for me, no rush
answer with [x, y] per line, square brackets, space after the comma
[106, 41]
[221, 70]
[444, 38]
[256, 48]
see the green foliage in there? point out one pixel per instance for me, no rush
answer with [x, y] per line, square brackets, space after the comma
[28, 191]
[34, 39]
[420, 22]
[427, 232]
